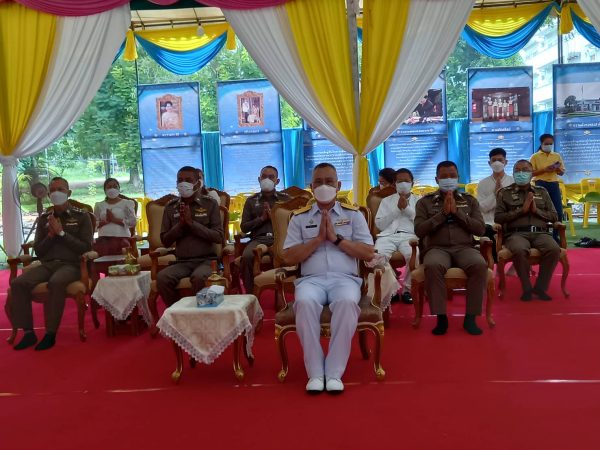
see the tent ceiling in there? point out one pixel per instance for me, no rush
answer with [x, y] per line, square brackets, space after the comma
[174, 17]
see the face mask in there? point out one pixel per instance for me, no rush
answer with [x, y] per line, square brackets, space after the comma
[381, 186]
[448, 184]
[497, 166]
[58, 198]
[548, 148]
[267, 185]
[522, 178]
[112, 193]
[403, 187]
[325, 193]
[185, 189]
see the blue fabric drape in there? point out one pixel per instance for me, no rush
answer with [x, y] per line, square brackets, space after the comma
[458, 147]
[120, 52]
[586, 30]
[500, 47]
[293, 157]
[211, 159]
[376, 163]
[184, 63]
[543, 122]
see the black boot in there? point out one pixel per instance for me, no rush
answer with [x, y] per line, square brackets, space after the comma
[29, 339]
[470, 325]
[47, 342]
[442, 325]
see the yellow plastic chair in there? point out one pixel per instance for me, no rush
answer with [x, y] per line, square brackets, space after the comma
[423, 189]
[589, 196]
[141, 226]
[471, 188]
[567, 208]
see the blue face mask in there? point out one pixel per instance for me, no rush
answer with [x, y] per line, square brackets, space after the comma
[448, 184]
[522, 178]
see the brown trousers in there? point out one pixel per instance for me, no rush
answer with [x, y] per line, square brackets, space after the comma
[247, 261]
[169, 277]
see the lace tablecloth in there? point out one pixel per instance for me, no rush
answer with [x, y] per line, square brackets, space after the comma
[389, 286]
[119, 295]
[204, 333]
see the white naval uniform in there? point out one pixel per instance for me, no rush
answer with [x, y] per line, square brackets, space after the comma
[329, 277]
[397, 229]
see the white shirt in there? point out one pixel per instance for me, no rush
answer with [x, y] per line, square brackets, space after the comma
[390, 219]
[124, 210]
[486, 196]
[215, 196]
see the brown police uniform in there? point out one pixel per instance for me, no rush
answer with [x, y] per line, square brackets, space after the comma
[448, 242]
[260, 232]
[194, 245]
[60, 257]
[524, 231]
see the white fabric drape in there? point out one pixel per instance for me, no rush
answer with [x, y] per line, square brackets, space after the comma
[591, 8]
[84, 50]
[267, 36]
[432, 30]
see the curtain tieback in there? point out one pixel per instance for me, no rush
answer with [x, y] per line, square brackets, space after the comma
[9, 161]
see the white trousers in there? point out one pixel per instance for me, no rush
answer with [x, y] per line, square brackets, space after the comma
[398, 242]
[342, 293]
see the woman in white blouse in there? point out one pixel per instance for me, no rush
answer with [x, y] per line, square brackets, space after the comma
[115, 216]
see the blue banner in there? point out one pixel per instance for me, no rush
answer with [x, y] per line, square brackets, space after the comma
[576, 96]
[317, 149]
[420, 154]
[250, 127]
[579, 150]
[500, 99]
[429, 116]
[517, 146]
[169, 120]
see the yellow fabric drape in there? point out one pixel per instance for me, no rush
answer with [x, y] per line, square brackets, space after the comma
[381, 48]
[184, 39]
[566, 20]
[130, 52]
[502, 21]
[320, 30]
[26, 44]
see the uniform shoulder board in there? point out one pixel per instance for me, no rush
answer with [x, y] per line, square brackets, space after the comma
[347, 206]
[430, 194]
[302, 210]
[76, 210]
[173, 201]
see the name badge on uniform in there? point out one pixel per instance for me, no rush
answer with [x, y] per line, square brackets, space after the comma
[311, 226]
[71, 222]
[515, 196]
[341, 222]
[200, 212]
[537, 196]
[176, 215]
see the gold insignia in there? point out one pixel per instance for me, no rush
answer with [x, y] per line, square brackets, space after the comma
[347, 206]
[302, 210]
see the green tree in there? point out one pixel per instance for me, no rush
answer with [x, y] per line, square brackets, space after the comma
[463, 58]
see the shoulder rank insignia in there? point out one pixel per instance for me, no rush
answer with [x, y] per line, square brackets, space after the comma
[347, 206]
[302, 210]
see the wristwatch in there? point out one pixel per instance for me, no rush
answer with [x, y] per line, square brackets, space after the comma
[339, 239]
[62, 233]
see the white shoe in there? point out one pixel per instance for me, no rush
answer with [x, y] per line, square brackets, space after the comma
[315, 385]
[335, 385]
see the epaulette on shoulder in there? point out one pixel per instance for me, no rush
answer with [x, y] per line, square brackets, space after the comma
[430, 194]
[173, 201]
[75, 209]
[347, 206]
[302, 210]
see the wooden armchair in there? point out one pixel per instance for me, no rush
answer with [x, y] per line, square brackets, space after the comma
[295, 191]
[225, 198]
[133, 240]
[161, 257]
[154, 213]
[505, 256]
[455, 279]
[370, 318]
[77, 290]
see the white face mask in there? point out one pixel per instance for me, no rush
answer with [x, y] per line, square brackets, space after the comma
[548, 148]
[267, 185]
[325, 193]
[448, 184]
[403, 187]
[112, 193]
[58, 198]
[185, 189]
[497, 166]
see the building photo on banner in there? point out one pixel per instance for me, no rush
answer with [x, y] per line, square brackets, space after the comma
[169, 120]
[422, 139]
[250, 131]
[577, 119]
[500, 115]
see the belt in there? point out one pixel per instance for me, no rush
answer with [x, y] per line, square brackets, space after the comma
[262, 234]
[529, 229]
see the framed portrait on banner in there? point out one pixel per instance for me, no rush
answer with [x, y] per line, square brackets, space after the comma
[169, 115]
[251, 107]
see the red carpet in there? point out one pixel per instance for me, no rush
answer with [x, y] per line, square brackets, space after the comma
[531, 383]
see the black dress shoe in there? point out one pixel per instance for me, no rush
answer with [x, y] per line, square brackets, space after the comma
[526, 296]
[407, 298]
[395, 298]
[541, 295]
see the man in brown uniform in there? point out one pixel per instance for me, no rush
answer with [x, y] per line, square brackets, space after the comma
[193, 223]
[256, 220]
[446, 221]
[63, 234]
[524, 211]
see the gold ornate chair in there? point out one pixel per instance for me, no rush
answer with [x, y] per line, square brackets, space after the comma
[455, 279]
[161, 257]
[505, 256]
[370, 318]
[224, 197]
[77, 290]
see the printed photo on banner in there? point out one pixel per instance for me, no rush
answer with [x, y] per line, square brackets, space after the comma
[500, 99]
[251, 109]
[429, 115]
[168, 112]
[577, 96]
